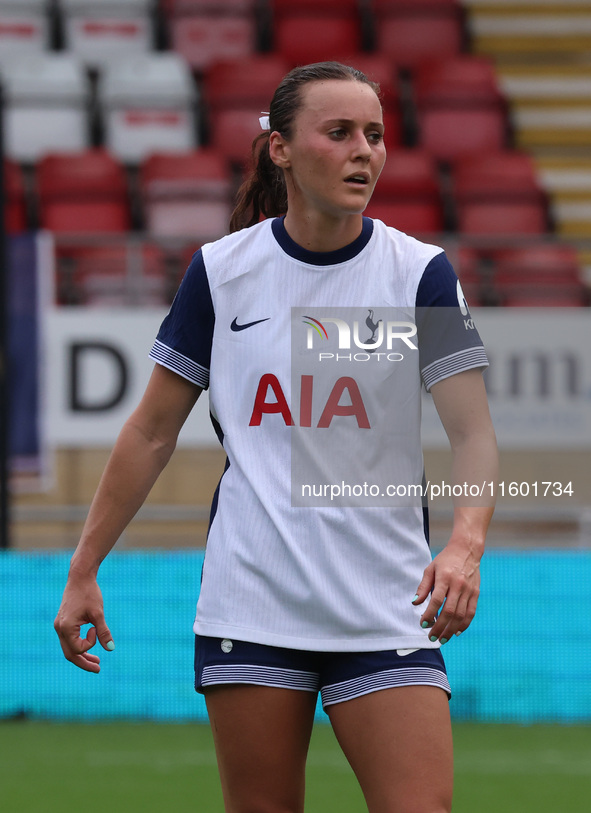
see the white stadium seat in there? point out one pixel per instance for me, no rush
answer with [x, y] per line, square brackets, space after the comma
[148, 104]
[24, 27]
[206, 31]
[47, 100]
[99, 30]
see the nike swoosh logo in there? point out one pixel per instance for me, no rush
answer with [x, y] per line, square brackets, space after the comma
[236, 327]
[404, 652]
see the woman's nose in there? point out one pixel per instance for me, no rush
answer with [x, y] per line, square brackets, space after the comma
[362, 147]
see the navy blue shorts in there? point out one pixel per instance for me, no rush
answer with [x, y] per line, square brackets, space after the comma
[339, 676]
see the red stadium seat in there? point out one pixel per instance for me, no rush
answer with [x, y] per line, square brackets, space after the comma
[540, 275]
[426, 7]
[467, 263]
[451, 133]
[310, 31]
[252, 81]
[380, 69]
[460, 80]
[288, 7]
[499, 193]
[411, 32]
[173, 8]
[460, 108]
[409, 173]
[348, 6]
[236, 93]
[502, 217]
[407, 195]
[83, 192]
[411, 217]
[233, 132]
[488, 175]
[304, 39]
[475, 270]
[186, 194]
[70, 216]
[548, 264]
[15, 213]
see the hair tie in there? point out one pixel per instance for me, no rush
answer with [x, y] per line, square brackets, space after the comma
[264, 121]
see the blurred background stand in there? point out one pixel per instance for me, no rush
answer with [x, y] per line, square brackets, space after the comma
[4, 487]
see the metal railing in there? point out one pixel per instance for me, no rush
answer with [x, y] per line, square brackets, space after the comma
[140, 270]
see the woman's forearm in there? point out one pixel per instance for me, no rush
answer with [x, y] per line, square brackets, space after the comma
[474, 473]
[463, 408]
[133, 467]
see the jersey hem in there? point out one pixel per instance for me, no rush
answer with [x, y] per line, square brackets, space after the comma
[349, 644]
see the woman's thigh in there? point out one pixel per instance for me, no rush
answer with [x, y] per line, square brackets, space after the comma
[261, 736]
[398, 741]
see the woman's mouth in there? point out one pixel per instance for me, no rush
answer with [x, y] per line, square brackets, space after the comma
[358, 179]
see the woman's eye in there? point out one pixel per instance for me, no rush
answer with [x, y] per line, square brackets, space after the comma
[340, 133]
[375, 138]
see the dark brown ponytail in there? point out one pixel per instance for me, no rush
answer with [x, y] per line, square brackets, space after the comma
[264, 191]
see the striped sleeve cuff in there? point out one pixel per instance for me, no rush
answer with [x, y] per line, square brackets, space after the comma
[456, 363]
[175, 361]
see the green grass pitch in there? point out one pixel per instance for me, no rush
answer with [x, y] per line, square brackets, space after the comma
[152, 768]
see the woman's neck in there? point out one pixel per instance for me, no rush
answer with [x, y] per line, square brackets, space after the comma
[323, 233]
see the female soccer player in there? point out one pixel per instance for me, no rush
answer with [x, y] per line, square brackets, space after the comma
[314, 330]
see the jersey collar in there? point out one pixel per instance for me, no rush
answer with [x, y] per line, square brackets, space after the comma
[341, 255]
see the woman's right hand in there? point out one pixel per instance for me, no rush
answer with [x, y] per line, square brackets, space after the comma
[82, 603]
[142, 450]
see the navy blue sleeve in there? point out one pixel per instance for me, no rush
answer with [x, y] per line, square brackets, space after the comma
[448, 340]
[184, 340]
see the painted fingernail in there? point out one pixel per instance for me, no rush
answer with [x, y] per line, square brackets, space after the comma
[110, 645]
[433, 638]
[425, 624]
[444, 640]
[415, 598]
[459, 632]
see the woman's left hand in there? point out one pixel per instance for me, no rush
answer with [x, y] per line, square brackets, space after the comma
[453, 579]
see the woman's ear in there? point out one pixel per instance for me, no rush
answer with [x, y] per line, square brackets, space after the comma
[279, 150]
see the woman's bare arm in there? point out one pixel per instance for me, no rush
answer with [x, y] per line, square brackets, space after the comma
[454, 575]
[142, 450]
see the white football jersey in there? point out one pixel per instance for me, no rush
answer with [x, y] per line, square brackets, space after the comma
[315, 363]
